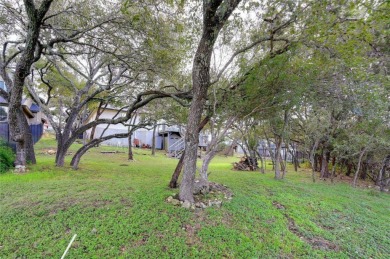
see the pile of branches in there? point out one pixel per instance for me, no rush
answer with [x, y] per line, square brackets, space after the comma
[246, 164]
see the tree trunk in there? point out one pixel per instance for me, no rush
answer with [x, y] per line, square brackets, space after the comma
[154, 139]
[29, 143]
[213, 22]
[76, 158]
[349, 168]
[325, 164]
[62, 149]
[262, 170]
[18, 125]
[205, 165]
[61, 153]
[333, 170]
[179, 167]
[231, 148]
[66, 138]
[130, 155]
[278, 158]
[176, 173]
[313, 161]
[192, 133]
[271, 153]
[283, 166]
[358, 167]
[379, 181]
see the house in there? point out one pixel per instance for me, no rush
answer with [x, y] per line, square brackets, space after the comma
[34, 115]
[168, 137]
[268, 150]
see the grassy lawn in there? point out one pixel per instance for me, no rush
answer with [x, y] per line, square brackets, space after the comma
[117, 209]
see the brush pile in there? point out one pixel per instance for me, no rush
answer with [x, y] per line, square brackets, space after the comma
[246, 164]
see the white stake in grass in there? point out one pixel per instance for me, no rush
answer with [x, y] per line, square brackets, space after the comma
[70, 244]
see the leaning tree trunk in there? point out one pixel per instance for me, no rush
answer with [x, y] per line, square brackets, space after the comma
[176, 173]
[358, 166]
[205, 165]
[77, 157]
[262, 169]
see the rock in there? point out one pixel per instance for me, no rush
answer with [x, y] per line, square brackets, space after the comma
[186, 205]
[202, 205]
[169, 199]
[20, 169]
[51, 152]
[218, 204]
[201, 186]
[198, 205]
[175, 202]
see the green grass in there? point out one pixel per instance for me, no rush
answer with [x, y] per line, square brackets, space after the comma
[117, 209]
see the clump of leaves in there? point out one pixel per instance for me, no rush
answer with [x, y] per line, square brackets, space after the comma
[7, 157]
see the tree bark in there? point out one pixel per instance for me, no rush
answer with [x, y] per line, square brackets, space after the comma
[215, 14]
[313, 161]
[154, 139]
[358, 166]
[262, 169]
[205, 165]
[18, 125]
[130, 155]
[278, 158]
[77, 157]
[333, 170]
[179, 167]
[325, 164]
[379, 181]
[200, 81]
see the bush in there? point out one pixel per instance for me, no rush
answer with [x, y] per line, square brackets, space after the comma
[7, 157]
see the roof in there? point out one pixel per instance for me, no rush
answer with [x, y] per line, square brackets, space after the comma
[34, 108]
[28, 106]
[2, 100]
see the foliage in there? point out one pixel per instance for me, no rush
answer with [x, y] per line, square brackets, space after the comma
[7, 157]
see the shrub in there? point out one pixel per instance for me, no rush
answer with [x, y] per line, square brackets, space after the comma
[7, 157]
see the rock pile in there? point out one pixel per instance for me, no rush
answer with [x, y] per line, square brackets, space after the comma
[210, 195]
